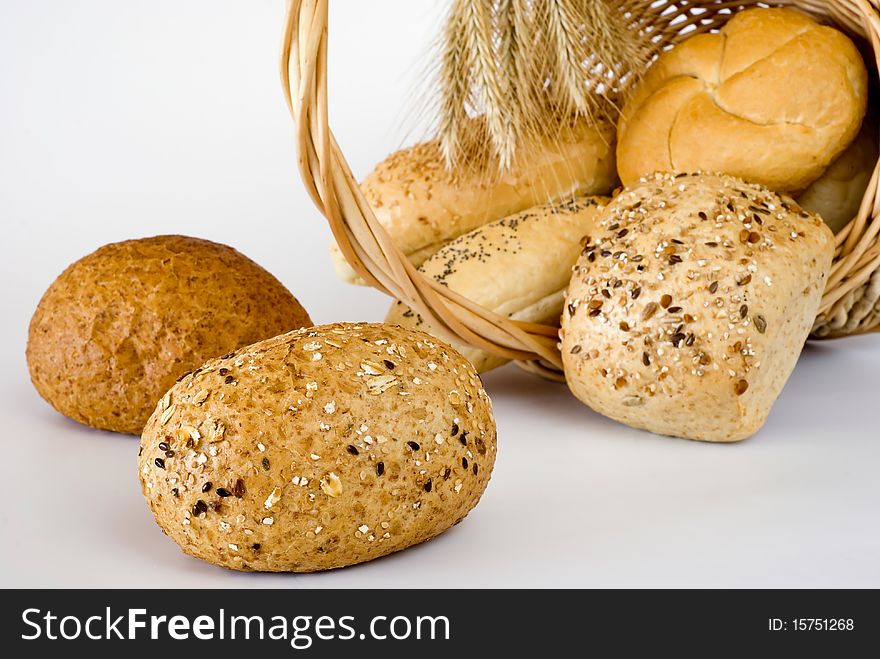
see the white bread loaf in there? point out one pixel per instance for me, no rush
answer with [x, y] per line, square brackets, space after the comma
[517, 267]
[423, 205]
[773, 98]
[837, 195]
[688, 309]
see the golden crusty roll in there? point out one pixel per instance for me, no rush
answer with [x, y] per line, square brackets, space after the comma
[119, 326]
[837, 195]
[773, 98]
[423, 205]
[691, 303]
[317, 449]
[517, 267]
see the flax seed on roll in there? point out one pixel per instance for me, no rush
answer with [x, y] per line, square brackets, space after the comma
[518, 267]
[320, 448]
[692, 301]
[773, 98]
[423, 205]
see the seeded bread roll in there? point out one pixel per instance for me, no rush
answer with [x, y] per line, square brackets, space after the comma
[773, 98]
[119, 326]
[691, 303]
[518, 266]
[837, 195]
[423, 205]
[317, 449]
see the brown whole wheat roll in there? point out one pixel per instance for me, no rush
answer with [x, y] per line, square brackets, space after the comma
[118, 327]
[317, 449]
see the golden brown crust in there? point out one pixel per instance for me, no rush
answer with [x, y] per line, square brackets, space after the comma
[423, 205]
[744, 101]
[321, 448]
[689, 307]
[118, 327]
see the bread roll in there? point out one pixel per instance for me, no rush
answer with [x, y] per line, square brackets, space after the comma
[837, 195]
[423, 205]
[517, 267]
[773, 98]
[691, 303]
[317, 449]
[119, 326]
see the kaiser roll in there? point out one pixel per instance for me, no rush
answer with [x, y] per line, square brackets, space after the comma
[773, 98]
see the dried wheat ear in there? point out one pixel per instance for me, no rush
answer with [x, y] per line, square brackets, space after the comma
[528, 67]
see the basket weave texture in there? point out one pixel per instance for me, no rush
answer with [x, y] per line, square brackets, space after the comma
[851, 302]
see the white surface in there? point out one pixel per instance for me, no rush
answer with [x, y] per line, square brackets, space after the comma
[124, 119]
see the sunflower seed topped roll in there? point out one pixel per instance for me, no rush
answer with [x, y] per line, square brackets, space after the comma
[318, 448]
[691, 303]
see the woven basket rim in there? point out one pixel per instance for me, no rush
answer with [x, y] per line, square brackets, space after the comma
[373, 255]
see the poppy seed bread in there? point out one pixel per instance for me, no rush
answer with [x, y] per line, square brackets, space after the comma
[118, 327]
[518, 267]
[320, 448]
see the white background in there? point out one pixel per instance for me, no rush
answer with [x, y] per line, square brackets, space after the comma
[136, 118]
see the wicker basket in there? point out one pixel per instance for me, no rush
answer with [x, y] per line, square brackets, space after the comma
[850, 305]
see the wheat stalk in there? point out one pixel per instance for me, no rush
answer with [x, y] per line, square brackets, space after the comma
[455, 89]
[618, 44]
[491, 85]
[565, 27]
[528, 67]
[509, 80]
